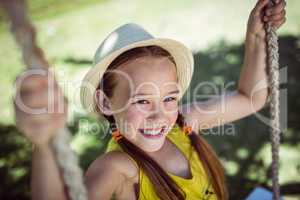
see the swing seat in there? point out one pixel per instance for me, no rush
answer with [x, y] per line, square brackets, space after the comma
[260, 193]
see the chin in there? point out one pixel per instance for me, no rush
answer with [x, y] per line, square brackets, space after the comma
[150, 142]
[153, 146]
[153, 149]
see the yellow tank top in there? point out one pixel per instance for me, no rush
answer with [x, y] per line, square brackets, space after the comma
[196, 188]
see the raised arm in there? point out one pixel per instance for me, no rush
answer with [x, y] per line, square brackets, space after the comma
[104, 176]
[252, 92]
[39, 127]
[46, 181]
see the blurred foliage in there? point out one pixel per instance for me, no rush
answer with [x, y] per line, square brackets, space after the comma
[42, 9]
[15, 156]
[90, 140]
[244, 153]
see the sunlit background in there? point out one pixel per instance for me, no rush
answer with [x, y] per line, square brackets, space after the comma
[69, 32]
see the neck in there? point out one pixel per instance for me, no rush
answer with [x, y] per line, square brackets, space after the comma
[162, 152]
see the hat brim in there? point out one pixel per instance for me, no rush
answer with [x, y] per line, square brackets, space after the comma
[182, 55]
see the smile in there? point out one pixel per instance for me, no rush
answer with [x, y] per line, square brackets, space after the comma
[153, 133]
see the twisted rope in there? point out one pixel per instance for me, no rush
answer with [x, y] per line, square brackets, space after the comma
[33, 57]
[273, 79]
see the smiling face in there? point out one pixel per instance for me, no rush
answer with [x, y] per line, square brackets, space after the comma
[145, 101]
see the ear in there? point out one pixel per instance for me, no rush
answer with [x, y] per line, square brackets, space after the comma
[103, 102]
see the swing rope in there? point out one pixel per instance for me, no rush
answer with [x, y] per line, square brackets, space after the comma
[33, 57]
[273, 79]
[67, 160]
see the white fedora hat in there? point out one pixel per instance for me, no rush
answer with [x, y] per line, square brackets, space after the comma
[125, 37]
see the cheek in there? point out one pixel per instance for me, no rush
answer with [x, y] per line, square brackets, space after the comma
[171, 110]
[135, 115]
[173, 116]
[171, 107]
[134, 118]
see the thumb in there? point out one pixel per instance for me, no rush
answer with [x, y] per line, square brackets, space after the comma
[260, 5]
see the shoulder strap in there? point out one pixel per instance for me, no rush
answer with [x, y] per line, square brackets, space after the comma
[180, 139]
[112, 146]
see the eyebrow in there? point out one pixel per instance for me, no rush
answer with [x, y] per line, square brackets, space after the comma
[146, 94]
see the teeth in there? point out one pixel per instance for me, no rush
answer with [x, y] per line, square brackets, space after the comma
[151, 132]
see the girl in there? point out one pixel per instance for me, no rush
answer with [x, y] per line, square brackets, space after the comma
[155, 152]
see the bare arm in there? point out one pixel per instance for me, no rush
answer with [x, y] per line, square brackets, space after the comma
[46, 182]
[106, 175]
[232, 106]
[251, 94]
[103, 177]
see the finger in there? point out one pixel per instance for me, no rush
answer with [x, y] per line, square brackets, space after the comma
[34, 78]
[36, 86]
[35, 73]
[31, 82]
[259, 6]
[30, 85]
[41, 101]
[276, 17]
[24, 120]
[278, 23]
[276, 9]
[39, 126]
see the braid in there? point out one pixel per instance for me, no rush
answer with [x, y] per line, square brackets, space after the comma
[209, 159]
[164, 186]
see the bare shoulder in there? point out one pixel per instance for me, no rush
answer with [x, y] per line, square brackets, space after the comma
[116, 161]
[108, 173]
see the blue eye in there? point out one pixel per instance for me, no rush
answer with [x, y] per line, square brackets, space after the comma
[171, 98]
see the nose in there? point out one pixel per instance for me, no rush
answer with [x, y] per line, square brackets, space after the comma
[156, 112]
